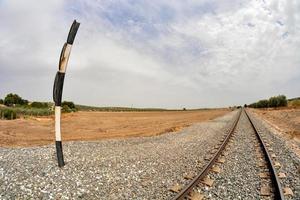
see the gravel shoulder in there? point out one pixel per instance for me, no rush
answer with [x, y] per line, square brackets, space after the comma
[283, 122]
[285, 155]
[133, 168]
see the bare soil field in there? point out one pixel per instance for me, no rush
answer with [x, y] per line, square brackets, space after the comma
[99, 125]
[285, 120]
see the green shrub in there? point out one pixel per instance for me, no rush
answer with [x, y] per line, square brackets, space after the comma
[1, 101]
[12, 99]
[28, 111]
[70, 104]
[8, 114]
[37, 104]
[66, 108]
[33, 111]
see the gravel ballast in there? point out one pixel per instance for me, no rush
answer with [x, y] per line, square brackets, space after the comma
[134, 168]
[239, 176]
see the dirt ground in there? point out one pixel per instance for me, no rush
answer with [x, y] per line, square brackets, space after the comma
[99, 125]
[287, 121]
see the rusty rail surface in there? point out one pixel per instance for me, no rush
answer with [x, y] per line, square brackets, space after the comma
[188, 189]
[278, 193]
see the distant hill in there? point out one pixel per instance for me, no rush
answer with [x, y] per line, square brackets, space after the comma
[115, 109]
[294, 102]
[296, 98]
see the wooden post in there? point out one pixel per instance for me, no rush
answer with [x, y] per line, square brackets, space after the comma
[58, 89]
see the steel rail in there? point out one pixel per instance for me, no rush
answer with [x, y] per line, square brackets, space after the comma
[275, 180]
[188, 189]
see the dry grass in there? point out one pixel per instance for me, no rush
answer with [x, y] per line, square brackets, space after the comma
[294, 103]
[100, 125]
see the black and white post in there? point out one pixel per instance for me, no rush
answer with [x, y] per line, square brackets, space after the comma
[58, 89]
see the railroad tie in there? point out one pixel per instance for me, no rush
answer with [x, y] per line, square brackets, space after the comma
[207, 158]
[270, 149]
[189, 176]
[281, 175]
[273, 155]
[265, 191]
[216, 169]
[176, 188]
[221, 160]
[207, 181]
[196, 196]
[288, 191]
[264, 175]
[277, 164]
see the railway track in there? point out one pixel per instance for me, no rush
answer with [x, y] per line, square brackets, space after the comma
[190, 190]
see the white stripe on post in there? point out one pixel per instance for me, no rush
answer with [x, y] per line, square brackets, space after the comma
[65, 58]
[57, 123]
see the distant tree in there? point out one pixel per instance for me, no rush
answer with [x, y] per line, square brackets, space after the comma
[184, 109]
[245, 106]
[1, 101]
[253, 105]
[278, 101]
[273, 102]
[12, 99]
[282, 101]
[262, 103]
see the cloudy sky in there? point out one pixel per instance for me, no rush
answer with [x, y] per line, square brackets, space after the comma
[155, 53]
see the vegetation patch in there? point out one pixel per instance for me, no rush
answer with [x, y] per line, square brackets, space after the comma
[7, 113]
[37, 104]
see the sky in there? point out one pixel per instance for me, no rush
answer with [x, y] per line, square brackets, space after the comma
[155, 53]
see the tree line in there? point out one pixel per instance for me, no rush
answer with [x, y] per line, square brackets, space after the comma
[272, 102]
[15, 105]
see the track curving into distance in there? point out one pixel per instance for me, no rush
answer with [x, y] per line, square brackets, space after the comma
[278, 192]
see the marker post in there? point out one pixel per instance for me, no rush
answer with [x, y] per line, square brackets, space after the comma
[58, 89]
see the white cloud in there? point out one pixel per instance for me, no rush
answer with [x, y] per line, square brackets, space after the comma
[153, 53]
